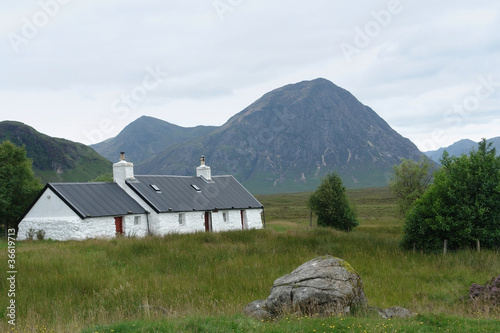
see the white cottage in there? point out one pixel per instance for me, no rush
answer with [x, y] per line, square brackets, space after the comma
[141, 205]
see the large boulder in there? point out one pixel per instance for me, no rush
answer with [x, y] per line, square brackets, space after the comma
[322, 286]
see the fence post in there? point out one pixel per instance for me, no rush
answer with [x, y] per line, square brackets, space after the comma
[478, 245]
[445, 246]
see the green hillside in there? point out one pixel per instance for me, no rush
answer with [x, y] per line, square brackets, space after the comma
[54, 159]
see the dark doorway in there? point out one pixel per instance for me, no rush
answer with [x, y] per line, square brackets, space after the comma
[243, 220]
[208, 221]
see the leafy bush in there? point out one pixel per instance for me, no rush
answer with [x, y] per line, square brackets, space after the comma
[331, 205]
[461, 206]
[30, 234]
[18, 184]
[409, 181]
[40, 234]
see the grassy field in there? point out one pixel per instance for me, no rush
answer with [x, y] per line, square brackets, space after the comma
[201, 282]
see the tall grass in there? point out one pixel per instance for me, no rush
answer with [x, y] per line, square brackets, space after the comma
[66, 286]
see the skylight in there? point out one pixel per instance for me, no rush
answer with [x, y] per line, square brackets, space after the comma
[196, 188]
[156, 188]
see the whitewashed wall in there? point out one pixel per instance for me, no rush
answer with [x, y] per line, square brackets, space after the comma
[169, 223]
[48, 214]
[49, 205]
[69, 229]
[195, 221]
[233, 221]
[254, 218]
[80, 229]
[134, 230]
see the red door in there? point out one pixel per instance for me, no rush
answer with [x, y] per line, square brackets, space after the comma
[119, 225]
[208, 221]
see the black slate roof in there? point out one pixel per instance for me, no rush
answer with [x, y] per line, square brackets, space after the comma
[182, 193]
[96, 199]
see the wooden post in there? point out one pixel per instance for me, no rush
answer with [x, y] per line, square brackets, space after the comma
[478, 245]
[414, 247]
[311, 219]
[445, 246]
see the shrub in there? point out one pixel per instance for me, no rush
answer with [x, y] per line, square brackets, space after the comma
[461, 206]
[18, 184]
[30, 234]
[409, 181]
[331, 205]
[40, 234]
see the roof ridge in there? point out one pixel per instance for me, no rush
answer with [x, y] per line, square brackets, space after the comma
[81, 183]
[179, 176]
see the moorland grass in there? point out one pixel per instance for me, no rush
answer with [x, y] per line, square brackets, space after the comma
[201, 282]
[366, 324]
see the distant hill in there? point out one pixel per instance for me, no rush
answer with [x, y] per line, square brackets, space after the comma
[146, 137]
[55, 160]
[290, 138]
[460, 147]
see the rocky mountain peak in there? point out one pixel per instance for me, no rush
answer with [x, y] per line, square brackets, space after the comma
[291, 137]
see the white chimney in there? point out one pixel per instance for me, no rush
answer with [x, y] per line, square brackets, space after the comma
[123, 171]
[203, 170]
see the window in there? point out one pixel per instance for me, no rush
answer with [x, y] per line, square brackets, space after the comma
[156, 188]
[182, 219]
[196, 188]
[225, 217]
[137, 220]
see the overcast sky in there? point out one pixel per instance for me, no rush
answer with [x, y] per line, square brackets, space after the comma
[84, 69]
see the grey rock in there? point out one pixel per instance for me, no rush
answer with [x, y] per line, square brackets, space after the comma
[257, 309]
[395, 312]
[322, 286]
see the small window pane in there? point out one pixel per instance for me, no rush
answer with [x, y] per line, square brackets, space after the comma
[182, 219]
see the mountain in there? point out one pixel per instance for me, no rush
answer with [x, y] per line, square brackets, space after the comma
[290, 138]
[460, 147]
[146, 137]
[55, 160]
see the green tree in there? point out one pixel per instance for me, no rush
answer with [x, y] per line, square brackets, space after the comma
[18, 185]
[331, 205]
[409, 181]
[103, 177]
[461, 206]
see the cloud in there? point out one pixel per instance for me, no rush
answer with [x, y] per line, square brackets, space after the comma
[414, 65]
